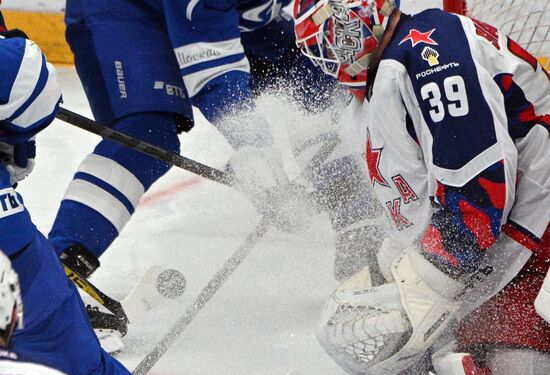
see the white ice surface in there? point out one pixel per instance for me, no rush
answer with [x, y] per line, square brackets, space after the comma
[261, 321]
[263, 318]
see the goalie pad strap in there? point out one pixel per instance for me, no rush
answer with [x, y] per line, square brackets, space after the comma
[433, 276]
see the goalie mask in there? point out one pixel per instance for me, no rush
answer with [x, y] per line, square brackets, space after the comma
[340, 36]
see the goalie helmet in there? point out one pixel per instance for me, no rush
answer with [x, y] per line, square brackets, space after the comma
[11, 305]
[340, 36]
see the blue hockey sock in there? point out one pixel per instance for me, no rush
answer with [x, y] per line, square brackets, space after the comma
[109, 183]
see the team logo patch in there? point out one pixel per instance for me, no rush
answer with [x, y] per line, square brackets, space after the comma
[417, 37]
[9, 203]
[430, 55]
[372, 156]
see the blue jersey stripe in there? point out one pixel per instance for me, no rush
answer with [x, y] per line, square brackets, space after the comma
[107, 187]
[40, 84]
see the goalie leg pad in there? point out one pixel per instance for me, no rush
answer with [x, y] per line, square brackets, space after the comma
[426, 296]
[388, 328]
[542, 302]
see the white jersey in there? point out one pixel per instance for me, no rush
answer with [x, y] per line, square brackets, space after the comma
[458, 119]
[14, 367]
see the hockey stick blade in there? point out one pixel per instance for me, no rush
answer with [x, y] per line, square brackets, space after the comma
[156, 152]
[143, 297]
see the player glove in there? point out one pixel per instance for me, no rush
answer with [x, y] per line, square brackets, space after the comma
[260, 176]
[18, 159]
[14, 33]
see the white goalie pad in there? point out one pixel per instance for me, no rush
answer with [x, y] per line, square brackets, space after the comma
[385, 329]
[428, 304]
[542, 303]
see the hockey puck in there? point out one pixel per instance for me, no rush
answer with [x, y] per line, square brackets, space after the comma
[171, 283]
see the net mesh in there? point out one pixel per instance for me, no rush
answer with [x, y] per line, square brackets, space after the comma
[525, 21]
[364, 349]
[368, 334]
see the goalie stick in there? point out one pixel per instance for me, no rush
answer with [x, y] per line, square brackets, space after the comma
[205, 295]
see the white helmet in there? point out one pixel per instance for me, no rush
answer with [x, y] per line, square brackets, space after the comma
[11, 305]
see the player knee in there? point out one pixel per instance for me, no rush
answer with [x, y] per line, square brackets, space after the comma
[159, 129]
[110, 182]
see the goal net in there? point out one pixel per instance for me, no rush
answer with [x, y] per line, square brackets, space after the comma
[525, 21]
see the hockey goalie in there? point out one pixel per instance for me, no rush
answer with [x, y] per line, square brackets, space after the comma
[456, 120]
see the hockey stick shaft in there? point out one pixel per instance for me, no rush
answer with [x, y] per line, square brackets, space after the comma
[113, 305]
[156, 152]
[230, 265]
[205, 295]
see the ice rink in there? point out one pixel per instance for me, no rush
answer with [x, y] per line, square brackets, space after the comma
[263, 318]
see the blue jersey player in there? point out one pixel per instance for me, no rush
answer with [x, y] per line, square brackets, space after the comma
[56, 329]
[223, 51]
[143, 64]
[11, 319]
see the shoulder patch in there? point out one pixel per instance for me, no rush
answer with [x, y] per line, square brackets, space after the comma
[417, 37]
[10, 203]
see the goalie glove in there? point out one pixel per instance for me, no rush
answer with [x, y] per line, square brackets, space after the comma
[386, 329]
[260, 176]
[357, 333]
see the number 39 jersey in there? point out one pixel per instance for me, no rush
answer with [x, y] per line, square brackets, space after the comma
[457, 144]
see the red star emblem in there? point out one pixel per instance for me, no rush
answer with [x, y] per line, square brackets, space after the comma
[417, 37]
[372, 156]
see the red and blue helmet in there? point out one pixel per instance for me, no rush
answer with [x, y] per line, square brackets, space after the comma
[340, 36]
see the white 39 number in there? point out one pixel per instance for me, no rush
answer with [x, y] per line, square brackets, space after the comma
[455, 91]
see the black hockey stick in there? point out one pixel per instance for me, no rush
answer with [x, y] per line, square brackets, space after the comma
[329, 143]
[113, 305]
[171, 158]
[132, 307]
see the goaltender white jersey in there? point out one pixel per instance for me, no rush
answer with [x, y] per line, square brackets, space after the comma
[458, 119]
[10, 365]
